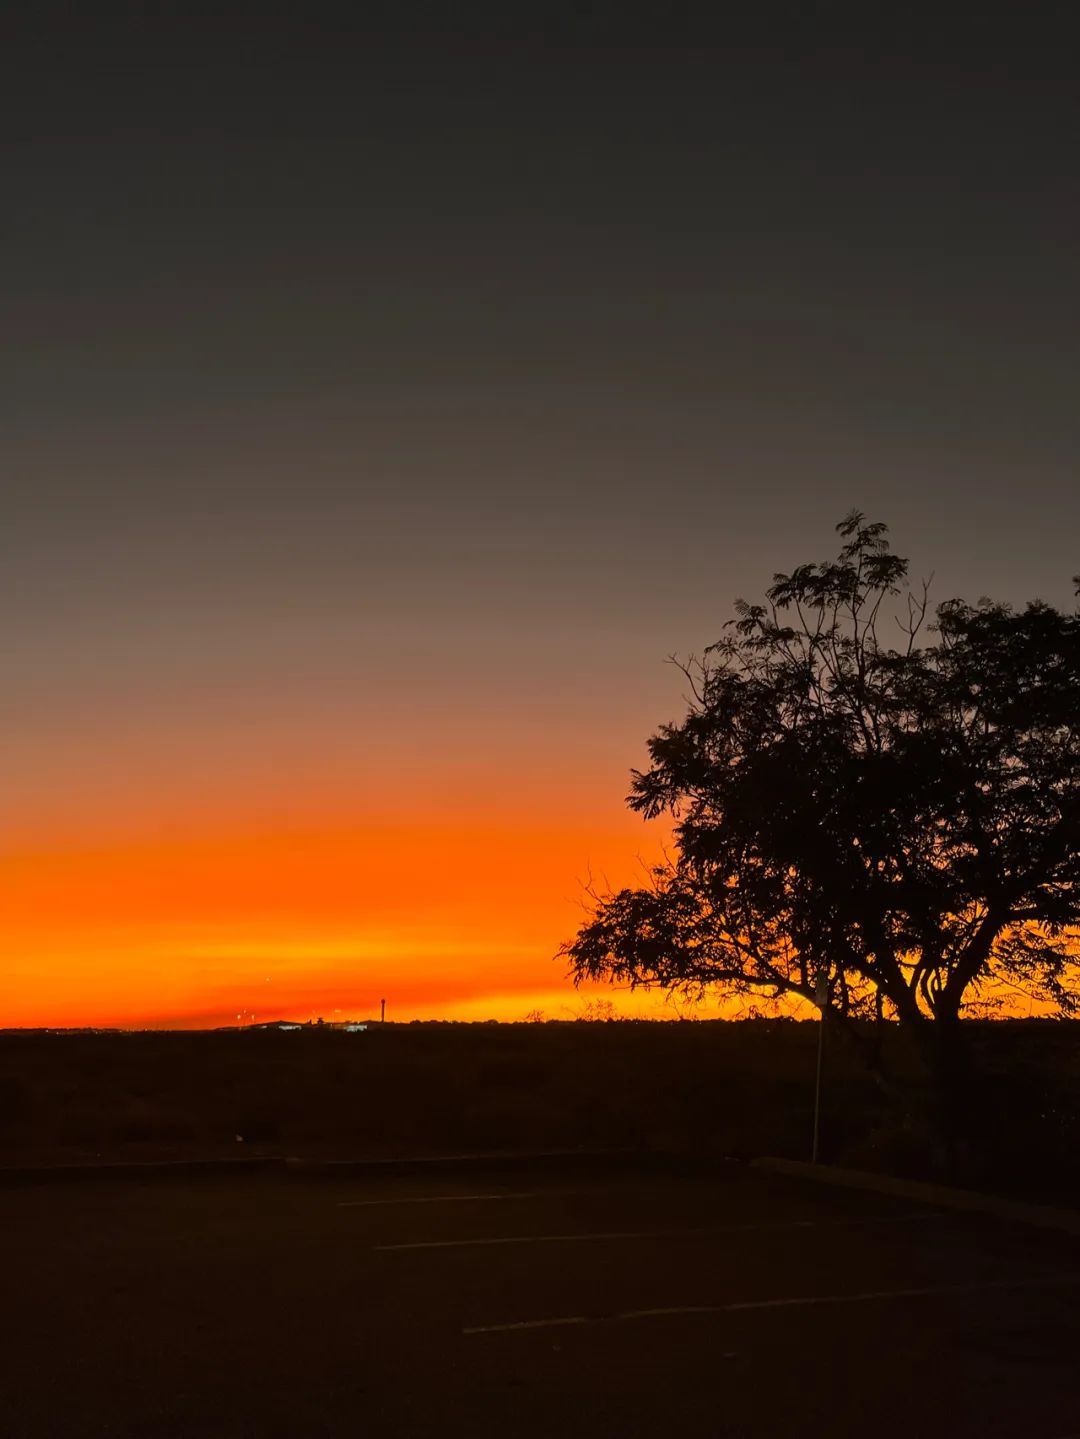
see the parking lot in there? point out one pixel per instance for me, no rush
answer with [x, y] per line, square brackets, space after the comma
[565, 1305]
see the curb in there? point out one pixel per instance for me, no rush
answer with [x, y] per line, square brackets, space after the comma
[135, 1169]
[544, 1161]
[549, 1161]
[1066, 1221]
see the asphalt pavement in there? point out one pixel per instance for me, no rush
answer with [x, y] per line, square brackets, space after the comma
[738, 1304]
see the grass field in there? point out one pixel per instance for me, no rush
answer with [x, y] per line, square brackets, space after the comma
[723, 1088]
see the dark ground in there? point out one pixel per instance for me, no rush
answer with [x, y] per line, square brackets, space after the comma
[265, 1306]
[740, 1089]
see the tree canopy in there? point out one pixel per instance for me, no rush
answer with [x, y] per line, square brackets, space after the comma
[865, 793]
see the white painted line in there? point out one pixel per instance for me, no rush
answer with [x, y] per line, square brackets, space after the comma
[531, 1324]
[535, 1239]
[779, 1224]
[866, 1297]
[428, 1199]
[798, 1301]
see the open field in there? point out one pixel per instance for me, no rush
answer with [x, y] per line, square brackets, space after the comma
[737, 1089]
[735, 1305]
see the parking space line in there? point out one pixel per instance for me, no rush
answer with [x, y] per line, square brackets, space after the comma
[742, 1305]
[534, 1324]
[535, 1239]
[773, 1226]
[428, 1199]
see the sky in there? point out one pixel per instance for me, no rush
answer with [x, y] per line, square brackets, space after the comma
[383, 403]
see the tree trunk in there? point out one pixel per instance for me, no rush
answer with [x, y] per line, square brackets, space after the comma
[951, 1095]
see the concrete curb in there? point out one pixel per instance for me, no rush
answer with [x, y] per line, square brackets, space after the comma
[1065, 1221]
[545, 1161]
[552, 1161]
[134, 1169]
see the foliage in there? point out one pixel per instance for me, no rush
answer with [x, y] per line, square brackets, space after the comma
[598, 1011]
[899, 819]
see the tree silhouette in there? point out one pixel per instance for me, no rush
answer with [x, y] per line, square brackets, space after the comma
[900, 820]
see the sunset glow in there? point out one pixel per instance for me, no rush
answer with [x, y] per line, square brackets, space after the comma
[444, 921]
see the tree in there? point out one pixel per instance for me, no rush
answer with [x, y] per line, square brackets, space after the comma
[900, 820]
[598, 1011]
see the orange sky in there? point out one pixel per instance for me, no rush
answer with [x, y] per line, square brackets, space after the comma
[192, 836]
[207, 893]
[204, 925]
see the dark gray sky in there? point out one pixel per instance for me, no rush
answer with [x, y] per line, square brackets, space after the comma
[398, 395]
